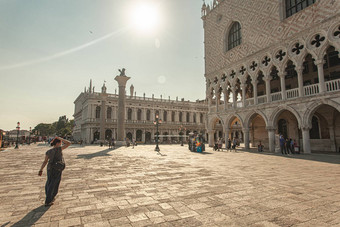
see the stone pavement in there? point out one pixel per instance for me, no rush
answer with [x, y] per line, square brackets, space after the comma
[137, 187]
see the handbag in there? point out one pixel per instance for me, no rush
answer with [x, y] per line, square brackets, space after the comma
[58, 165]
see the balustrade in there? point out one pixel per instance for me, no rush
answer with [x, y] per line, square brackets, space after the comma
[262, 99]
[276, 96]
[333, 85]
[250, 102]
[292, 93]
[311, 89]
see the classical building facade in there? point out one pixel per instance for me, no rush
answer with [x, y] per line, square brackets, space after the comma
[97, 112]
[273, 67]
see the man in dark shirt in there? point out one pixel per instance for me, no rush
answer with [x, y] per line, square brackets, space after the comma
[53, 176]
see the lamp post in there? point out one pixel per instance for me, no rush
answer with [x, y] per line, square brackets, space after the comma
[29, 137]
[18, 129]
[157, 122]
[181, 129]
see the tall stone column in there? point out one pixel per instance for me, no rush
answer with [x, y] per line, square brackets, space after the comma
[306, 140]
[143, 136]
[300, 81]
[271, 138]
[283, 86]
[211, 138]
[243, 87]
[255, 91]
[332, 137]
[246, 137]
[122, 79]
[226, 136]
[102, 119]
[268, 89]
[322, 87]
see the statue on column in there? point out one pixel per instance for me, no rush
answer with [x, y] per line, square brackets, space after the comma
[122, 72]
[131, 90]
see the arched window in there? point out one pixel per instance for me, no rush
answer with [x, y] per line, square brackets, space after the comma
[129, 114]
[148, 115]
[194, 117]
[173, 116]
[165, 116]
[234, 36]
[294, 6]
[201, 118]
[157, 114]
[180, 116]
[109, 113]
[314, 133]
[188, 117]
[139, 114]
[98, 112]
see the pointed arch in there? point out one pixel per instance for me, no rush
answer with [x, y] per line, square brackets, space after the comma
[276, 113]
[252, 114]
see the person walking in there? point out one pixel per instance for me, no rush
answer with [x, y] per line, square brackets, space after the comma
[282, 144]
[234, 144]
[56, 164]
[288, 146]
[229, 145]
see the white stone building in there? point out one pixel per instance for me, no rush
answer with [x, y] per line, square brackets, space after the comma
[178, 117]
[273, 67]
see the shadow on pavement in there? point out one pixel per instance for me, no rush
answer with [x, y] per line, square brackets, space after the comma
[328, 158]
[94, 155]
[32, 217]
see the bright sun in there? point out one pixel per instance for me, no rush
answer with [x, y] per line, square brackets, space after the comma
[145, 17]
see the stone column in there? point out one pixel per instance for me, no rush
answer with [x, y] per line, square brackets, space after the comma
[322, 87]
[271, 138]
[211, 138]
[121, 109]
[246, 137]
[243, 87]
[233, 89]
[218, 98]
[225, 93]
[283, 86]
[268, 89]
[306, 140]
[143, 136]
[255, 91]
[300, 81]
[332, 137]
[226, 136]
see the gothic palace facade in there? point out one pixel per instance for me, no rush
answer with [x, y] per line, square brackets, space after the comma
[273, 67]
[94, 110]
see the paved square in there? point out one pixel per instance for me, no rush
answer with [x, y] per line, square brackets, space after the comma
[137, 187]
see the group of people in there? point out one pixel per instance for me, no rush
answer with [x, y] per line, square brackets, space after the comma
[231, 145]
[288, 146]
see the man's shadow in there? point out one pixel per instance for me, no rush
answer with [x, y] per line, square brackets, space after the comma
[94, 155]
[32, 217]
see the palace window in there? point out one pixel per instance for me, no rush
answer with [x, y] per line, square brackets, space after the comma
[139, 114]
[148, 113]
[234, 36]
[109, 113]
[129, 114]
[98, 112]
[294, 6]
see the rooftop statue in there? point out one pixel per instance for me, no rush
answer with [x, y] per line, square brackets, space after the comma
[122, 72]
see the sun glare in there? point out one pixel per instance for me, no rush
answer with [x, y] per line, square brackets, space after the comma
[145, 17]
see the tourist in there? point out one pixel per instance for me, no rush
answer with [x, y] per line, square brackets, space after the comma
[291, 143]
[234, 144]
[287, 145]
[296, 148]
[133, 143]
[229, 144]
[113, 143]
[282, 144]
[260, 147]
[220, 143]
[56, 164]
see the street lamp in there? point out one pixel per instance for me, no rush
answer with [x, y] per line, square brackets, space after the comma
[157, 122]
[181, 129]
[18, 129]
[29, 137]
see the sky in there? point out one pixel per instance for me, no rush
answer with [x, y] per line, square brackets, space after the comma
[49, 51]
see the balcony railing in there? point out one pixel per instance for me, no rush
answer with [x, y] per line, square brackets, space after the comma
[311, 89]
[333, 85]
[262, 99]
[292, 93]
[276, 96]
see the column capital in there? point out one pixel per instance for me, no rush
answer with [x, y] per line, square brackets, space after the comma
[245, 130]
[305, 128]
[319, 62]
[270, 128]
